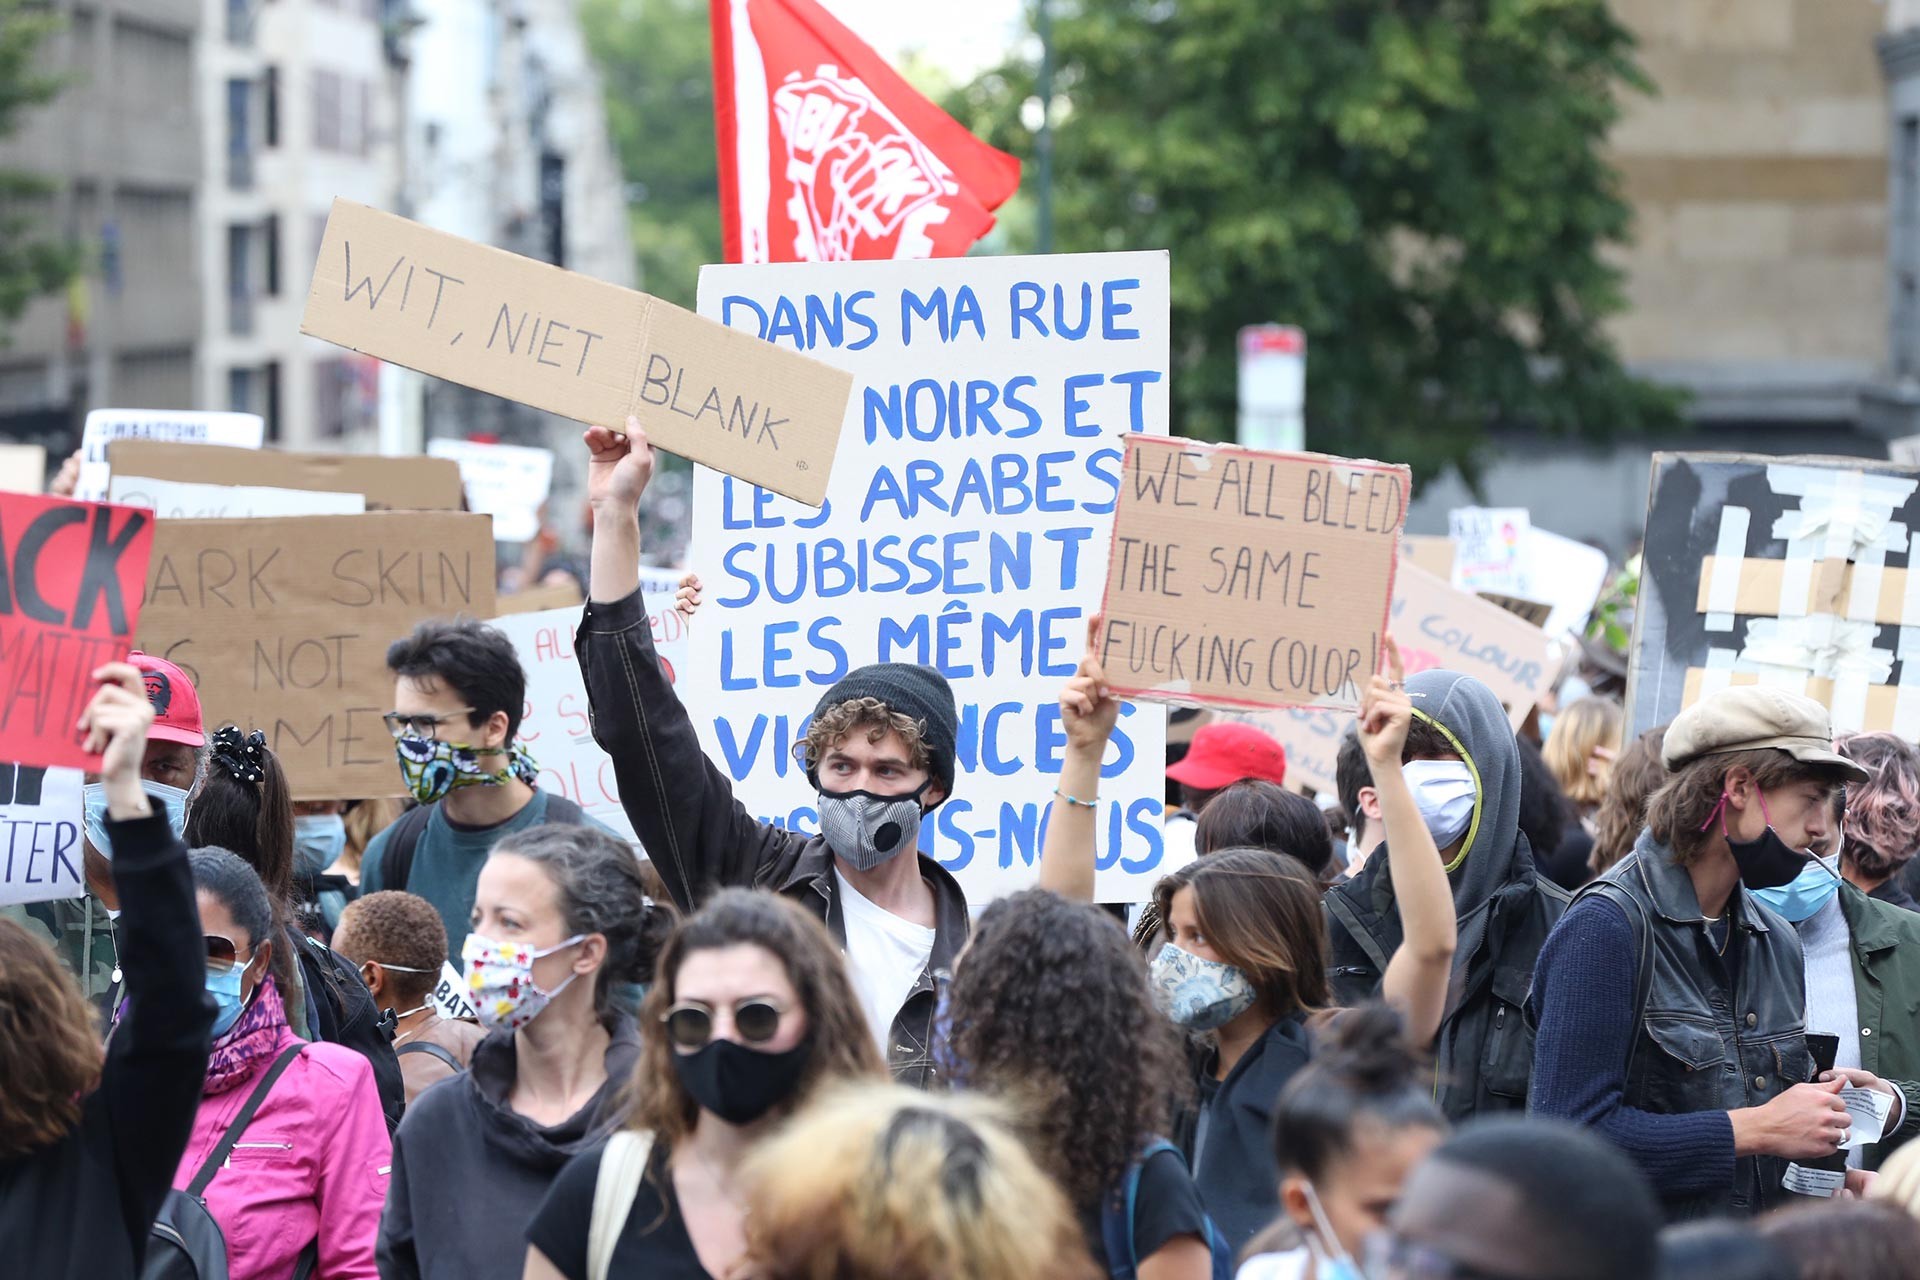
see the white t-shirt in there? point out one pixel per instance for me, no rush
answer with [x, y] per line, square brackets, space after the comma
[885, 957]
[1291, 1265]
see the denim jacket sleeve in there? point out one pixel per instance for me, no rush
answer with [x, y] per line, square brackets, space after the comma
[682, 806]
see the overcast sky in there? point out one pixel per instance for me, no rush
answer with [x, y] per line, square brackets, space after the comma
[962, 38]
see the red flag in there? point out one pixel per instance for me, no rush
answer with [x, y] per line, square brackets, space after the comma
[827, 154]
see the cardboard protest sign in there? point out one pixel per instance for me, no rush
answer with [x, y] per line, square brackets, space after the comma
[41, 844]
[104, 426]
[554, 727]
[1797, 572]
[1435, 555]
[396, 484]
[23, 468]
[178, 500]
[506, 481]
[966, 528]
[69, 601]
[578, 347]
[1437, 626]
[559, 595]
[283, 625]
[1247, 579]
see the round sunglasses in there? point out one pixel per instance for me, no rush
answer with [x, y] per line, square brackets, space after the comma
[222, 955]
[690, 1024]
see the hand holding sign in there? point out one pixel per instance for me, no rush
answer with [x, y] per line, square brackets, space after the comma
[115, 724]
[620, 466]
[1088, 709]
[687, 599]
[1387, 712]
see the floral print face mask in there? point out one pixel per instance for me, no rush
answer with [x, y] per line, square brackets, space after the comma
[432, 768]
[1199, 994]
[500, 978]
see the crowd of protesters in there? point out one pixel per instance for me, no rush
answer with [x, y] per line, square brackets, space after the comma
[1524, 1006]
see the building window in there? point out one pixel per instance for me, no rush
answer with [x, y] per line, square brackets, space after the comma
[270, 252]
[346, 395]
[240, 134]
[1906, 251]
[243, 390]
[240, 22]
[326, 110]
[240, 288]
[270, 108]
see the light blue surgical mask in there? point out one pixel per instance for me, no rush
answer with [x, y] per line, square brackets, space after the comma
[224, 987]
[1445, 792]
[94, 797]
[1803, 896]
[318, 839]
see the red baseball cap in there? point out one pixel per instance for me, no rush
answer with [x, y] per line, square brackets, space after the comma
[176, 703]
[1225, 753]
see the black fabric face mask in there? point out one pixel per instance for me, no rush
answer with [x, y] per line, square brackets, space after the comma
[739, 1084]
[1766, 863]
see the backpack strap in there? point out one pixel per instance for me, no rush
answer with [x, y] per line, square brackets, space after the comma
[432, 1050]
[623, 1163]
[224, 1147]
[401, 845]
[562, 810]
[1120, 1208]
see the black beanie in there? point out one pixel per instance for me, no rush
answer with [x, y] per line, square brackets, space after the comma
[919, 693]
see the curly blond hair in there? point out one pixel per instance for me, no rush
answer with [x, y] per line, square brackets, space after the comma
[834, 725]
[883, 1182]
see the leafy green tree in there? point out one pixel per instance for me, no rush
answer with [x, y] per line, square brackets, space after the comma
[654, 61]
[1419, 184]
[31, 264]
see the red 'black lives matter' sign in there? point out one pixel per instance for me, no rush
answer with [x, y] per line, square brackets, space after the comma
[71, 577]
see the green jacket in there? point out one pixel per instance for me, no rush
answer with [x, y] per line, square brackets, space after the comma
[1886, 988]
[81, 933]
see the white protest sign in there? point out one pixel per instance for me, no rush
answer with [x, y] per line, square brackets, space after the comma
[554, 727]
[40, 850]
[506, 481]
[184, 500]
[1487, 544]
[450, 998]
[239, 430]
[966, 527]
[1563, 573]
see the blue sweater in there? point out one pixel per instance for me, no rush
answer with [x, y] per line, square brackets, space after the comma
[1583, 990]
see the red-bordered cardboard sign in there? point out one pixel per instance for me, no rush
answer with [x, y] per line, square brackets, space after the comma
[1246, 579]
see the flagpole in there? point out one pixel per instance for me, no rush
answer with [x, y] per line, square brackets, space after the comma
[1043, 144]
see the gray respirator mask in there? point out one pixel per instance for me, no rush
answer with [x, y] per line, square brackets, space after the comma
[867, 829]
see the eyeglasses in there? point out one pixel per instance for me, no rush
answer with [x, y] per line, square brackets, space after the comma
[406, 726]
[222, 955]
[690, 1024]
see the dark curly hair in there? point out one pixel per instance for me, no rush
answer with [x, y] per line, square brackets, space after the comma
[1050, 1008]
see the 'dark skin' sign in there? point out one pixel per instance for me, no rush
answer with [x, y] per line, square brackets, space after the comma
[1246, 579]
[575, 346]
[965, 529]
[69, 602]
[283, 626]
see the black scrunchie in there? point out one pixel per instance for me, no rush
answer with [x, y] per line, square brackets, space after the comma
[240, 756]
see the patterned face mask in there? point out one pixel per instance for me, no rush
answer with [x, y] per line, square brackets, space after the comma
[500, 979]
[433, 768]
[1198, 994]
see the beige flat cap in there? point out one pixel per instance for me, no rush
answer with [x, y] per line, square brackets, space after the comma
[1751, 717]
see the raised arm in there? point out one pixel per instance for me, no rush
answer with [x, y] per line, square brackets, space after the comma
[1417, 972]
[1088, 711]
[157, 1057]
[681, 805]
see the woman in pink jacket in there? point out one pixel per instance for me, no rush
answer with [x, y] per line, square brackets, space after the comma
[300, 1196]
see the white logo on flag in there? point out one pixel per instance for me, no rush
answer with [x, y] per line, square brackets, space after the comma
[858, 175]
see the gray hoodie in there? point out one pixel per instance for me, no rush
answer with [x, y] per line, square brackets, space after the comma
[1504, 909]
[469, 1171]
